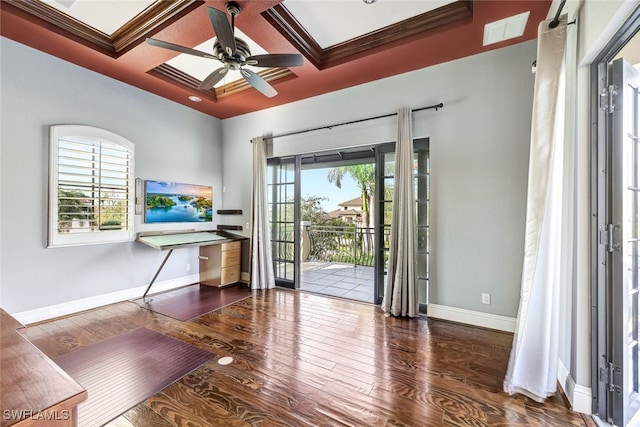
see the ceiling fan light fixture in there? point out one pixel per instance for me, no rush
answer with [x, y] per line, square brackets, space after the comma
[234, 54]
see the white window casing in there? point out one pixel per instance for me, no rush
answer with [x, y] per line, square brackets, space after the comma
[91, 186]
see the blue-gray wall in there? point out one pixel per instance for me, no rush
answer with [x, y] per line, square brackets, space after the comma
[173, 143]
[479, 147]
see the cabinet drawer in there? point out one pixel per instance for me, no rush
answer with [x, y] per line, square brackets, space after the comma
[230, 258]
[231, 246]
[230, 275]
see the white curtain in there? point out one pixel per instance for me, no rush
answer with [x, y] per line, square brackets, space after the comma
[262, 276]
[400, 290]
[533, 366]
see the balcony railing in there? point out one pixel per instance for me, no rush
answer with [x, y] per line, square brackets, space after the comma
[345, 244]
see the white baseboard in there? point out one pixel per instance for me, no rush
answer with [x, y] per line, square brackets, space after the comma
[579, 396]
[470, 317]
[582, 399]
[64, 309]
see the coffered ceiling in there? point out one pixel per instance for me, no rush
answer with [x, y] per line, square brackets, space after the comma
[343, 42]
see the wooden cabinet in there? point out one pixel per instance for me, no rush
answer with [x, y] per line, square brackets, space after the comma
[230, 263]
[220, 264]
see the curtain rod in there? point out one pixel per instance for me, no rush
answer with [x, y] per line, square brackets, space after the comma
[440, 105]
[556, 19]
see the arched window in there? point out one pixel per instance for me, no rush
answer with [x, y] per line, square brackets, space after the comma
[91, 186]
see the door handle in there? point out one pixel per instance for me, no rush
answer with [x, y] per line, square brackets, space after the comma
[610, 237]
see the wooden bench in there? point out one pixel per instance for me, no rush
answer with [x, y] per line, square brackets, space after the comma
[34, 390]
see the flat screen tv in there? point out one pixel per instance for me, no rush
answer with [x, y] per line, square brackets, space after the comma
[175, 202]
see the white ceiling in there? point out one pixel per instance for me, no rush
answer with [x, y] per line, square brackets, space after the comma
[103, 15]
[336, 21]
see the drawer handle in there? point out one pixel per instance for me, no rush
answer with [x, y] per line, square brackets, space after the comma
[203, 257]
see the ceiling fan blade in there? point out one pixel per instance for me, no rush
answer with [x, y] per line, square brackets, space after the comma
[259, 83]
[178, 48]
[276, 60]
[223, 30]
[213, 78]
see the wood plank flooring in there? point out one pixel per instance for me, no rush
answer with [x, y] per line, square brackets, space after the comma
[308, 360]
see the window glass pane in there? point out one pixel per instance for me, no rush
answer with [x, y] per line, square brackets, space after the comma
[288, 173]
[421, 162]
[388, 214]
[388, 188]
[422, 187]
[423, 239]
[270, 172]
[389, 164]
[421, 263]
[422, 213]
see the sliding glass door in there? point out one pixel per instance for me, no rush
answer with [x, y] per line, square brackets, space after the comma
[355, 235]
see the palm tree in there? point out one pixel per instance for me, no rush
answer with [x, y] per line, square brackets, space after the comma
[364, 176]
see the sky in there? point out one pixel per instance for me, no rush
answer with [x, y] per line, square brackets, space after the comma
[162, 187]
[314, 182]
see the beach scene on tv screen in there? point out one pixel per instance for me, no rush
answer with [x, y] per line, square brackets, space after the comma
[174, 202]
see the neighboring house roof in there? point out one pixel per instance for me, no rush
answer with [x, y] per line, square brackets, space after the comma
[341, 212]
[353, 203]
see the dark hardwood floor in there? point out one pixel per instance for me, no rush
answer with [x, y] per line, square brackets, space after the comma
[308, 360]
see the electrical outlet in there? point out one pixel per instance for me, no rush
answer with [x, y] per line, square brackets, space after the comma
[486, 298]
[188, 267]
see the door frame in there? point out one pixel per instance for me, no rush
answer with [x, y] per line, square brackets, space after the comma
[278, 162]
[601, 198]
[375, 152]
[344, 155]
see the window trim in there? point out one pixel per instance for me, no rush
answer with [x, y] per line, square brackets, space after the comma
[57, 239]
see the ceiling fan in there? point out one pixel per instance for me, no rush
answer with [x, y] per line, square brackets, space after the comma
[234, 53]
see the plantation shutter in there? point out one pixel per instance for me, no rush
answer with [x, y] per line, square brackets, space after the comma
[92, 189]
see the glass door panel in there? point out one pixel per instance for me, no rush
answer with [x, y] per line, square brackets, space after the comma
[281, 185]
[421, 174]
[385, 189]
[384, 194]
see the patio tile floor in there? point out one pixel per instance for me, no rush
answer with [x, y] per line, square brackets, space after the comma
[339, 280]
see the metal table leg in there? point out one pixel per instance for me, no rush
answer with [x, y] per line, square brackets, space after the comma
[157, 272]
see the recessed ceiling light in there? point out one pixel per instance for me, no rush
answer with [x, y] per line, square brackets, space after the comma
[505, 29]
[195, 98]
[369, 1]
